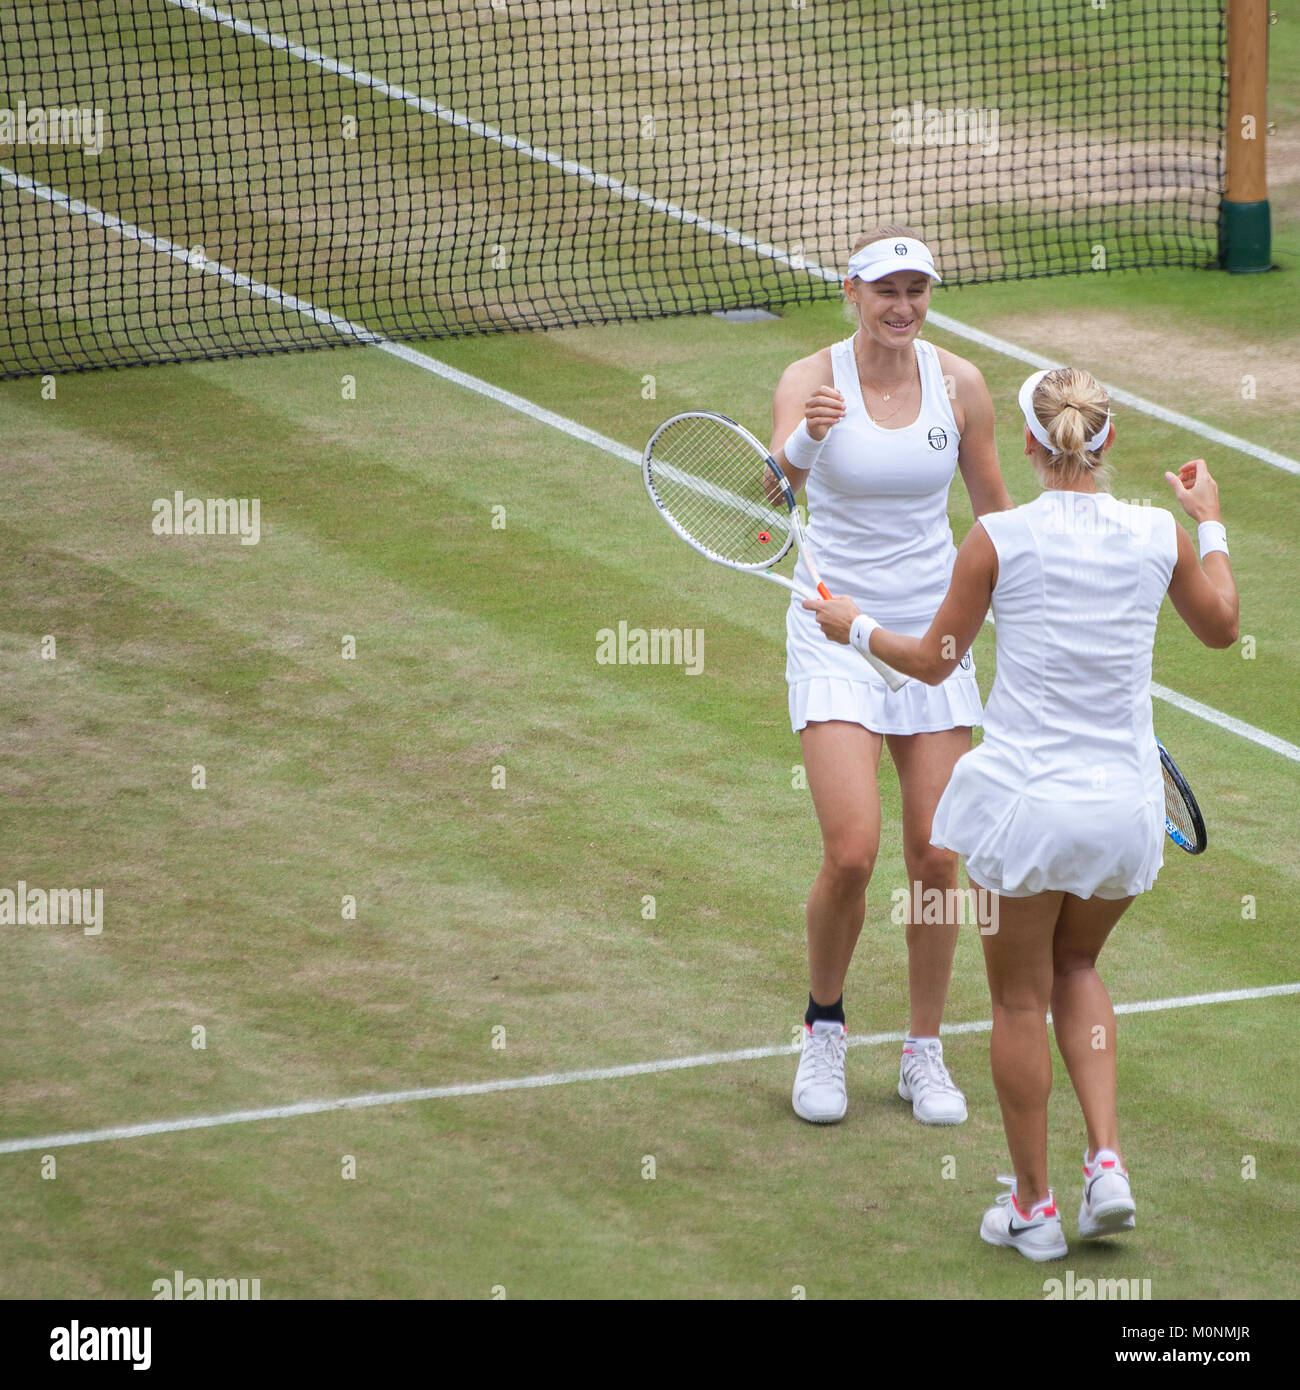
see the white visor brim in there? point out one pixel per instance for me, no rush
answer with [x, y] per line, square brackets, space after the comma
[880, 258]
[1026, 399]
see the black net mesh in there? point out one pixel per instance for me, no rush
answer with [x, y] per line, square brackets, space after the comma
[183, 180]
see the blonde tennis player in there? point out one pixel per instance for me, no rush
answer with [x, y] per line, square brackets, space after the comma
[1060, 810]
[875, 428]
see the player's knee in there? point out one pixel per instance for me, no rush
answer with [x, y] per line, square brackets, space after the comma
[932, 867]
[851, 862]
[1018, 1001]
[1072, 962]
[1020, 992]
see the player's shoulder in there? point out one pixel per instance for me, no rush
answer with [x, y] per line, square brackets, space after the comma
[809, 372]
[1016, 521]
[963, 372]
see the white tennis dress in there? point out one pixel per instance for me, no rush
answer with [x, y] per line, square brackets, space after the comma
[1065, 792]
[878, 528]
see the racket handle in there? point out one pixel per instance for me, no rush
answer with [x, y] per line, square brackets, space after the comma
[895, 680]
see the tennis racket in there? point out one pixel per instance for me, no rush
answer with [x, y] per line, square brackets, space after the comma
[725, 496]
[1183, 822]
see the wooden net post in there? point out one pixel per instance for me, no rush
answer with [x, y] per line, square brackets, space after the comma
[1244, 234]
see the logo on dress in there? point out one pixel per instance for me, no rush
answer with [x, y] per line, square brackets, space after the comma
[938, 438]
[965, 663]
[900, 249]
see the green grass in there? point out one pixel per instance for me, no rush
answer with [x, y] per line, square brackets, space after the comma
[521, 907]
[543, 1193]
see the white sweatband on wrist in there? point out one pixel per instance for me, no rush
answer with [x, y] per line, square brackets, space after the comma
[860, 636]
[801, 449]
[1212, 536]
[860, 639]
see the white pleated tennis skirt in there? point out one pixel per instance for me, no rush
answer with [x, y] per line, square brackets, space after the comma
[830, 681]
[1018, 844]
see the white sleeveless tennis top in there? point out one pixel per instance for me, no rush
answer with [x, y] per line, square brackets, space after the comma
[878, 499]
[878, 529]
[1065, 792]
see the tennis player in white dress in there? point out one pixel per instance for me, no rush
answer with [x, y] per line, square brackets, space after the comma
[876, 427]
[1060, 810]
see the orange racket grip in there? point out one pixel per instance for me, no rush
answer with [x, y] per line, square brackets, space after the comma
[823, 591]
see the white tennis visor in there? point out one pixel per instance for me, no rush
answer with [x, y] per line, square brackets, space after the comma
[1026, 399]
[879, 258]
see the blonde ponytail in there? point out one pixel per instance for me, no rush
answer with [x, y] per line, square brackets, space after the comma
[1071, 406]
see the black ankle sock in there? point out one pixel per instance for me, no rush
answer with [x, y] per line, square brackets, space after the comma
[830, 1013]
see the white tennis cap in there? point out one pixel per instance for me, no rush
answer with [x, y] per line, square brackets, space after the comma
[879, 258]
[1026, 399]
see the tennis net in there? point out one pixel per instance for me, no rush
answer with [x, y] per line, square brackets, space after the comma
[186, 180]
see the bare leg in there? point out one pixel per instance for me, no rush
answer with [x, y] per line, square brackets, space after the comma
[1082, 1014]
[842, 761]
[1018, 958]
[925, 763]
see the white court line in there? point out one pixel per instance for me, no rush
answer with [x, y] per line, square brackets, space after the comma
[1119, 394]
[495, 393]
[1226, 721]
[560, 1078]
[632, 193]
[184, 254]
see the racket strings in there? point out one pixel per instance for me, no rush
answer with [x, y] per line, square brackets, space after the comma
[710, 482]
[1177, 811]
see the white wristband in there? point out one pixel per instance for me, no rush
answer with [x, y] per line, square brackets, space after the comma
[860, 635]
[1212, 536]
[801, 449]
[860, 639]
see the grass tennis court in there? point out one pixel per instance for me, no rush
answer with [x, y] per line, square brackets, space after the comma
[515, 914]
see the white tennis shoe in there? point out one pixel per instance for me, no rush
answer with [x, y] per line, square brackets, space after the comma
[1037, 1236]
[923, 1079]
[1108, 1205]
[820, 1095]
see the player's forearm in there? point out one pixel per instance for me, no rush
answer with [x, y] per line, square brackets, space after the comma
[992, 500]
[1213, 545]
[983, 476]
[919, 657]
[1218, 570]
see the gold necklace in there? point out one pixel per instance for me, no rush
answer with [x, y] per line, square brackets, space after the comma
[884, 396]
[881, 419]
